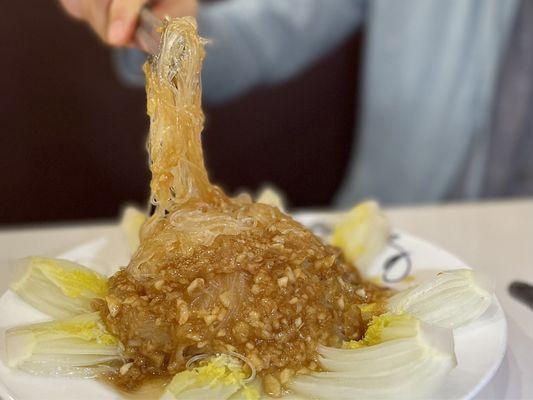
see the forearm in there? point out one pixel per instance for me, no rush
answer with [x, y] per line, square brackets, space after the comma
[265, 41]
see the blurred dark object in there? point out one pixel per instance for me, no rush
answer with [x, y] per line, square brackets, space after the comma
[72, 138]
[523, 292]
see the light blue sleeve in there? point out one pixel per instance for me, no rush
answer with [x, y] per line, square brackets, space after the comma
[266, 41]
[256, 42]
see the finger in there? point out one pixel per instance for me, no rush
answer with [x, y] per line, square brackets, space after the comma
[123, 16]
[171, 8]
[96, 14]
[72, 7]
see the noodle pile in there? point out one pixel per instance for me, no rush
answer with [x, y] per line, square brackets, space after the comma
[216, 274]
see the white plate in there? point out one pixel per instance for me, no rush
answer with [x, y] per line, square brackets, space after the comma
[479, 347]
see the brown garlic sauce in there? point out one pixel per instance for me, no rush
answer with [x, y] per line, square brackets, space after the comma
[217, 274]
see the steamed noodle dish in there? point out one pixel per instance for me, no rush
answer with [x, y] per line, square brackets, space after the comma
[227, 298]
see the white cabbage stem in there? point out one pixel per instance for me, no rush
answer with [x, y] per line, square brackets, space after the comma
[78, 346]
[451, 299]
[362, 234]
[408, 367]
[56, 287]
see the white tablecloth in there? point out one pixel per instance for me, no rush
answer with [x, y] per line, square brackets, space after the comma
[494, 237]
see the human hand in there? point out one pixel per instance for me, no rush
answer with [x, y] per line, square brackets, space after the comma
[114, 21]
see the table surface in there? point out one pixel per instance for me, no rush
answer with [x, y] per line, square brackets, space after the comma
[496, 237]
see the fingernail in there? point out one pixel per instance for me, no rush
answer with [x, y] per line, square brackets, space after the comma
[115, 34]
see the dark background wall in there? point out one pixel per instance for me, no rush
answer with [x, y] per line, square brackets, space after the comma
[72, 138]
